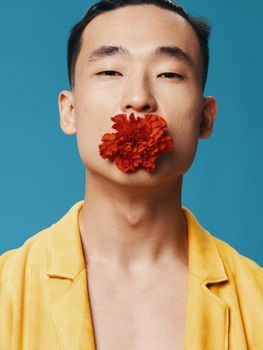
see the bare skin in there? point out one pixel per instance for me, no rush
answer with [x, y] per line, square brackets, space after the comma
[132, 227]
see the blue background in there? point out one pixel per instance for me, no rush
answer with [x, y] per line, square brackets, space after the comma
[41, 172]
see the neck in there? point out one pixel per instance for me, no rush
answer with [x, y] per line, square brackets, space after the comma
[133, 228]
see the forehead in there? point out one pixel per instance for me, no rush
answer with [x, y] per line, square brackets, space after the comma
[140, 28]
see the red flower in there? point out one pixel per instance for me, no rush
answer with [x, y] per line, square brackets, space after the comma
[137, 142]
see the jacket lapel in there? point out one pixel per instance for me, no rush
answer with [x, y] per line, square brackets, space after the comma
[68, 284]
[207, 323]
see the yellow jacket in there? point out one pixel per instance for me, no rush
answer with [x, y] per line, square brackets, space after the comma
[44, 302]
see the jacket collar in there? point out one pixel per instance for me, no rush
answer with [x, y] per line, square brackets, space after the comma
[65, 254]
[67, 261]
[208, 316]
[69, 294]
[207, 322]
[204, 260]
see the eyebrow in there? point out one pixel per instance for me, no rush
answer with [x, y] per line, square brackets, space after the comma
[168, 51]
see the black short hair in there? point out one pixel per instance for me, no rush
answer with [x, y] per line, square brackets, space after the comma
[200, 25]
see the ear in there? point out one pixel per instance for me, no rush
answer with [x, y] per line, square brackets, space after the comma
[208, 117]
[67, 112]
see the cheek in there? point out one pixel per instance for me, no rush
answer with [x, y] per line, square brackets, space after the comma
[85, 141]
[185, 129]
[186, 141]
[87, 130]
[91, 126]
[88, 116]
[187, 119]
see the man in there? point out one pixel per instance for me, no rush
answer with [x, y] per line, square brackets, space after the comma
[128, 267]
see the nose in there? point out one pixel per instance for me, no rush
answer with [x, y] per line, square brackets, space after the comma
[137, 96]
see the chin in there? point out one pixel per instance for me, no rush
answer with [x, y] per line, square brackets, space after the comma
[139, 178]
[165, 170]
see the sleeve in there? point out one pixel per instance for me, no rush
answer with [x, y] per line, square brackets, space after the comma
[250, 278]
[6, 313]
[11, 299]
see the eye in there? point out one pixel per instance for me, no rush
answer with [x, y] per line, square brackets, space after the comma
[172, 75]
[168, 74]
[107, 71]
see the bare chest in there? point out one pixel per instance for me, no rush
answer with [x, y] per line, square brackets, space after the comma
[139, 315]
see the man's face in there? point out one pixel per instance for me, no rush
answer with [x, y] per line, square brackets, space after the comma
[170, 86]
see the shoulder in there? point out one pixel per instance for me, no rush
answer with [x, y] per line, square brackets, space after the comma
[18, 268]
[243, 270]
[15, 262]
[32, 257]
